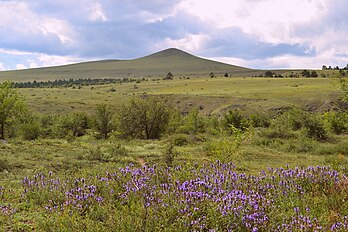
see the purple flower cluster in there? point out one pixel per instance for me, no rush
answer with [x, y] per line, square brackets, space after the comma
[213, 197]
[62, 195]
[7, 209]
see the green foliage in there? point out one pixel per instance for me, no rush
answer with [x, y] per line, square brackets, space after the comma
[236, 119]
[169, 154]
[343, 85]
[30, 127]
[103, 120]
[259, 120]
[12, 105]
[337, 122]
[314, 127]
[4, 165]
[180, 139]
[73, 124]
[194, 123]
[118, 150]
[226, 149]
[95, 153]
[144, 118]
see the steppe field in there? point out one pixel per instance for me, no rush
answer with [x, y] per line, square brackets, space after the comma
[243, 153]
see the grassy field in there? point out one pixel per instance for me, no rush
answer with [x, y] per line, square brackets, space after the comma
[213, 94]
[88, 184]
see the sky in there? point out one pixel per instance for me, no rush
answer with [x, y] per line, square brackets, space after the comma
[260, 34]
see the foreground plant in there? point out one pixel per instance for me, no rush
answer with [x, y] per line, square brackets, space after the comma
[211, 197]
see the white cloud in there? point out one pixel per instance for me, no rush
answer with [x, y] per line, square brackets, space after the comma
[271, 20]
[47, 60]
[97, 13]
[33, 65]
[2, 67]
[21, 66]
[189, 42]
[19, 24]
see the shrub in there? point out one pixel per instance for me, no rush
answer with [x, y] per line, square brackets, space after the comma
[236, 119]
[314, 128]
[103, 120]
[118, 150]
[73, 124]
[30, 131]
[30, 127]
[259, 120]
[144, 118]
[95, 153]
[194, 123]
[169, 154]
[180, 140]
[337, 122]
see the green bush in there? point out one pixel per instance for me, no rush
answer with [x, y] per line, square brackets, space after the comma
[336, 122]
[180, 140]
[194, 123]
[236, 119]
[259, 120]
[30, 130]
[314, 128]
[169, 154]
[144, 118]
[73, 125]
[118, 150]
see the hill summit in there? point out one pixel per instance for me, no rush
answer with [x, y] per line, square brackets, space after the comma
[179, 62]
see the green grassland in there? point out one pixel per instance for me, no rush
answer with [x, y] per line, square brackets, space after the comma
[213, 94]
[72, 158]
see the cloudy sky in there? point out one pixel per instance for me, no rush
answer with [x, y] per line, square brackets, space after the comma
[251, 33]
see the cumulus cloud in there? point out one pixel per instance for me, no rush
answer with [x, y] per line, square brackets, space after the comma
[21, 66]
[2, 67]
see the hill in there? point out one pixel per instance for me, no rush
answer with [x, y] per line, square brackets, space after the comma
[178, 62]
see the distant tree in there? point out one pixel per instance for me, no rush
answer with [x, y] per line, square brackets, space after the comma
[169, 76]
[12, 105]
[314, 74]
[212, 75]
[104, 120]
[306, 73]
[269, 74]
[226, 75]
[329, 68]
[324, 67]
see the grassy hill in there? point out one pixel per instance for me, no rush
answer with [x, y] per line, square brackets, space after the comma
[178, 62]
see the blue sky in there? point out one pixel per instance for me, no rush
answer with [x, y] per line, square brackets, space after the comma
[253, 33]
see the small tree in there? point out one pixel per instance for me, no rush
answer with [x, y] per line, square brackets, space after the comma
[12, 105]
[314, 74]
[169, 76]
[104, 120]
[144, 118]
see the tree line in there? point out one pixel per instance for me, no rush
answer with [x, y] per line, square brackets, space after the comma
[75, 82]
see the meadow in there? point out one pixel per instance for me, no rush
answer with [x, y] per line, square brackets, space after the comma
[282, 166]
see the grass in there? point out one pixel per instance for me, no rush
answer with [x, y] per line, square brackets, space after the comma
[212, 94]
[85, 157]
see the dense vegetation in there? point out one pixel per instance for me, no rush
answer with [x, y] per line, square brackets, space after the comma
[149, 166]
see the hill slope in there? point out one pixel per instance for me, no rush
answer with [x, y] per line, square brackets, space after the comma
[156, 65]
